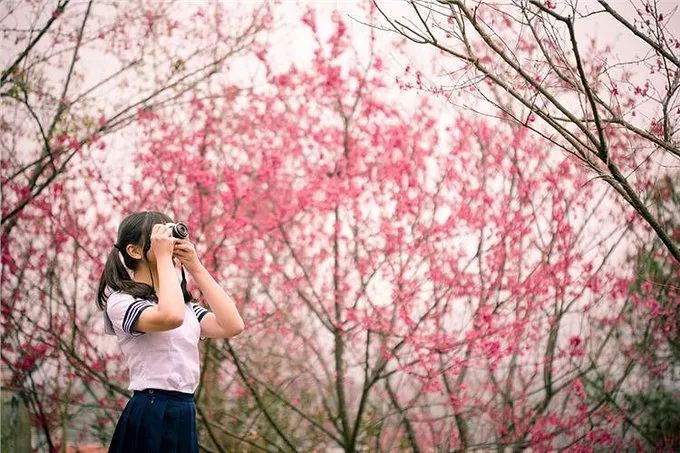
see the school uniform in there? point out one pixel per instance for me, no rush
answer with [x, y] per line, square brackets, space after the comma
[164, 371]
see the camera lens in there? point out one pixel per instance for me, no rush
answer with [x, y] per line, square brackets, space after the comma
[180, 230]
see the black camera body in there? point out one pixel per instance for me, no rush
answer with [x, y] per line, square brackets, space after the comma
[179, 230]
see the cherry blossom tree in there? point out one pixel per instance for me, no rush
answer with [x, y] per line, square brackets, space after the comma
[532, 63]
[61, 105]
[76, 78]
[403, 291]
[648, 331]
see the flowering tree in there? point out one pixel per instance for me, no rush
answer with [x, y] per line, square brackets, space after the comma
[648, 331]
[74, 77]
[61, 105]
[401, 291]
[529, 62]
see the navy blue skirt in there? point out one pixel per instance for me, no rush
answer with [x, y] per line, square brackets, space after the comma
[155, 421]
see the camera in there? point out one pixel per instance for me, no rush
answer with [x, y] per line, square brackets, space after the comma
[179, 230]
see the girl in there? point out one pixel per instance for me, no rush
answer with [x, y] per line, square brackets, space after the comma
[158, 327]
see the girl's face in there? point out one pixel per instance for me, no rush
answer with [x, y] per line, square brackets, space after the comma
[151, 259]
[137, 253]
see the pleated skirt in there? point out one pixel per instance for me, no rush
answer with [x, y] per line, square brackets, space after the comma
[156, 421]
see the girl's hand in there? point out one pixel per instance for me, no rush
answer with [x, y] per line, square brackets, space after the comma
[162, 242]
[185, 252]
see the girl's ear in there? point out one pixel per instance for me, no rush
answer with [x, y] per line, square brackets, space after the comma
[134, 251]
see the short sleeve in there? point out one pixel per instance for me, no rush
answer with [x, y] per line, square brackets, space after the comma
[124, 310]
[199, 311]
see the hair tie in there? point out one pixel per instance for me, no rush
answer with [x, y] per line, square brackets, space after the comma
[115, 244]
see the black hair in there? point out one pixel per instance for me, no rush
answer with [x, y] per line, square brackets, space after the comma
[134, 229]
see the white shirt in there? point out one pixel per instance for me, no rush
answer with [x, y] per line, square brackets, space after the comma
[162, 360]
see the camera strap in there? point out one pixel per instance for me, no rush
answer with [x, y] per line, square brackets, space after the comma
[183, 285]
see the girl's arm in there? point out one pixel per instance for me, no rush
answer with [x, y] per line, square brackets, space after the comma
[169, 312]
[223, 306]
[170, 298]
[226, 316]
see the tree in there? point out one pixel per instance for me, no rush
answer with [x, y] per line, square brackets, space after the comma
[401, 291]
[650, 331]
[528, 61]
[62, 106]
[75, 77]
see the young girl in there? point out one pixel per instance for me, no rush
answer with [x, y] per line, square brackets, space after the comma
[158, 327]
